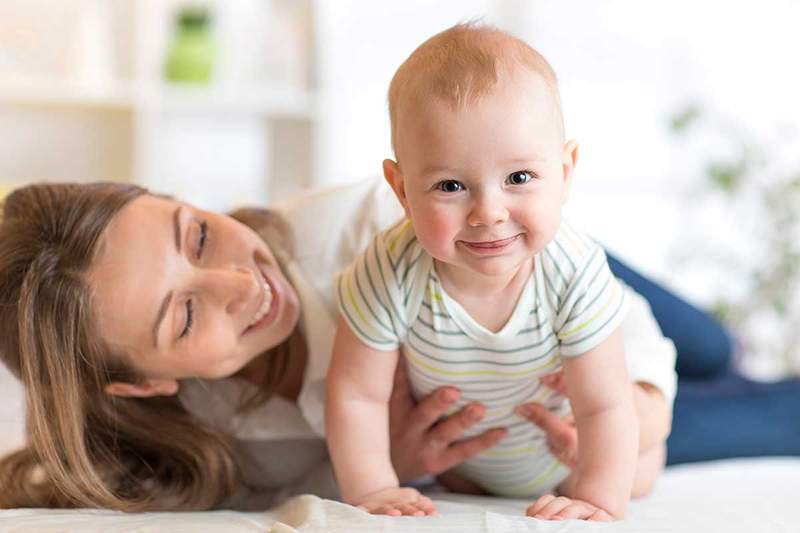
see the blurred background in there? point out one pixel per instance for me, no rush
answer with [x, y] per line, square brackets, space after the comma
[686, 113]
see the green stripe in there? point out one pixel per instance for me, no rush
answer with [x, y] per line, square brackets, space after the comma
[439, 331]
[553, 260]
[576, 282]
[578, 314]
[395, 264]
[590, 285]
[616, 311]
[367, 300]
[456, 373]
[398, 315]
[365, 258]
[481, 348]
[563, 251]
[353, 324]
[552, 291]
[435, 313]
[537, 481]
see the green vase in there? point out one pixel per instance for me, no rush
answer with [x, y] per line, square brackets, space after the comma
[191, 54]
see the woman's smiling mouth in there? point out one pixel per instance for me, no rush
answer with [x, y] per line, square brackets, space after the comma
[268, 310]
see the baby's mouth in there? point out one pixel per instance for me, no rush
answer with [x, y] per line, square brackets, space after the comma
[490, 245]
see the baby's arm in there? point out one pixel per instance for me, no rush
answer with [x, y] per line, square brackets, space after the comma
[359, 385]
[605, 417]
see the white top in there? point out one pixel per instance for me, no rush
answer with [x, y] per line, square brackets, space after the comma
[330, 228]
[391, 297]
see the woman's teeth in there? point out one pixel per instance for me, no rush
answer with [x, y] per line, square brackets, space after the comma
[265, 305]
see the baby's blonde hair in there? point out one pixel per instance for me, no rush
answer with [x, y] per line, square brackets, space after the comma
[460, 66]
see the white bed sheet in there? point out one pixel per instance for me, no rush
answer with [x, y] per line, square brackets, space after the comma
[734, 496]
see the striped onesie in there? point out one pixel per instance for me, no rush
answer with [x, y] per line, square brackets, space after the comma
[391, 297]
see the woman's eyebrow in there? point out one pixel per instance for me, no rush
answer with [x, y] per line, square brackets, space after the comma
[162, 311]
[176, 223]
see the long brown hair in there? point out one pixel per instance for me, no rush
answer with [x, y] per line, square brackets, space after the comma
[84, 447]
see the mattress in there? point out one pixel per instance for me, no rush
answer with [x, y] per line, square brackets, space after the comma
[732, 496]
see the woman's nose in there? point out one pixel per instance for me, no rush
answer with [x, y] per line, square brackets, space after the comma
[487, 210]
[232, 288]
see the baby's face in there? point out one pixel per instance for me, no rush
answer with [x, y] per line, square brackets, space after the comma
[484, 185]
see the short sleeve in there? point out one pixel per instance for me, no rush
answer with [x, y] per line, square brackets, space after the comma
[650, 356]
[372, 293]
[592, 304]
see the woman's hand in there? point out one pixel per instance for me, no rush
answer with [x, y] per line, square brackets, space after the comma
[562, 435]
[421, 443]
[653, 411]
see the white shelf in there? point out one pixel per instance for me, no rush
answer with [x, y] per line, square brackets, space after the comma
[101, 111]
[269, 101]
[61, 93]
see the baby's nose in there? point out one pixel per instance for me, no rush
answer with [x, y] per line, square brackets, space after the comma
[487, 211]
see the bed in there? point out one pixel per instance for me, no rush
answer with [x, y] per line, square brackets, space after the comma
[732, 496]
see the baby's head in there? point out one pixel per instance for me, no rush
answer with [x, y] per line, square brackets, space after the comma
[482, 167]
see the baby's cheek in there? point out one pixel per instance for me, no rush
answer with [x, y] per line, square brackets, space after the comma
[436, 231]
[544, 222]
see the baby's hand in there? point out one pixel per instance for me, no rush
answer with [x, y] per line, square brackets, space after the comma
[397, 501]
[549, 507]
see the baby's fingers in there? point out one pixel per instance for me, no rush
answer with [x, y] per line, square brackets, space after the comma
[409, 509]
[421, 507]
[601, 516]
[425, 505]
[390, 510]
[576, 511]
[552, 508]
[555, 381]
[539, 504]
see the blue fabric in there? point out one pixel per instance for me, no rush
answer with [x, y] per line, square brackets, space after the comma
[718, 414]
[731, 416]
[704, 347]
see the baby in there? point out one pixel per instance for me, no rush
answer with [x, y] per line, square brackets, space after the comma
[483, 287]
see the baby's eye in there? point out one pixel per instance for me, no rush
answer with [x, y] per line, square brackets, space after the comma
[520, 177]
[450, 186]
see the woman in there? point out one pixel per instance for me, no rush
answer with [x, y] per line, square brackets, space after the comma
[175, 359]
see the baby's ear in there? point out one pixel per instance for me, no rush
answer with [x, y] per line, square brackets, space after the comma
[391, 171]
[143, 389]
[569, 158]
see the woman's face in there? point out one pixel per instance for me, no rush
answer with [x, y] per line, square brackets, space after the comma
[188, 293]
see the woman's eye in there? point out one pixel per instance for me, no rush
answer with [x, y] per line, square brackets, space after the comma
[201, 239]
[189, 319]
[520, 177]
[450, 186]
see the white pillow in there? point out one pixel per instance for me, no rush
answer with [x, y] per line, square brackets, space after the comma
[12, 412]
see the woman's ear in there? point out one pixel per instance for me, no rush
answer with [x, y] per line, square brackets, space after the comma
[143, 389]
[391, 171]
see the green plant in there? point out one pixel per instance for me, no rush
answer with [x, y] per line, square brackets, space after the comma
[758, 193]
